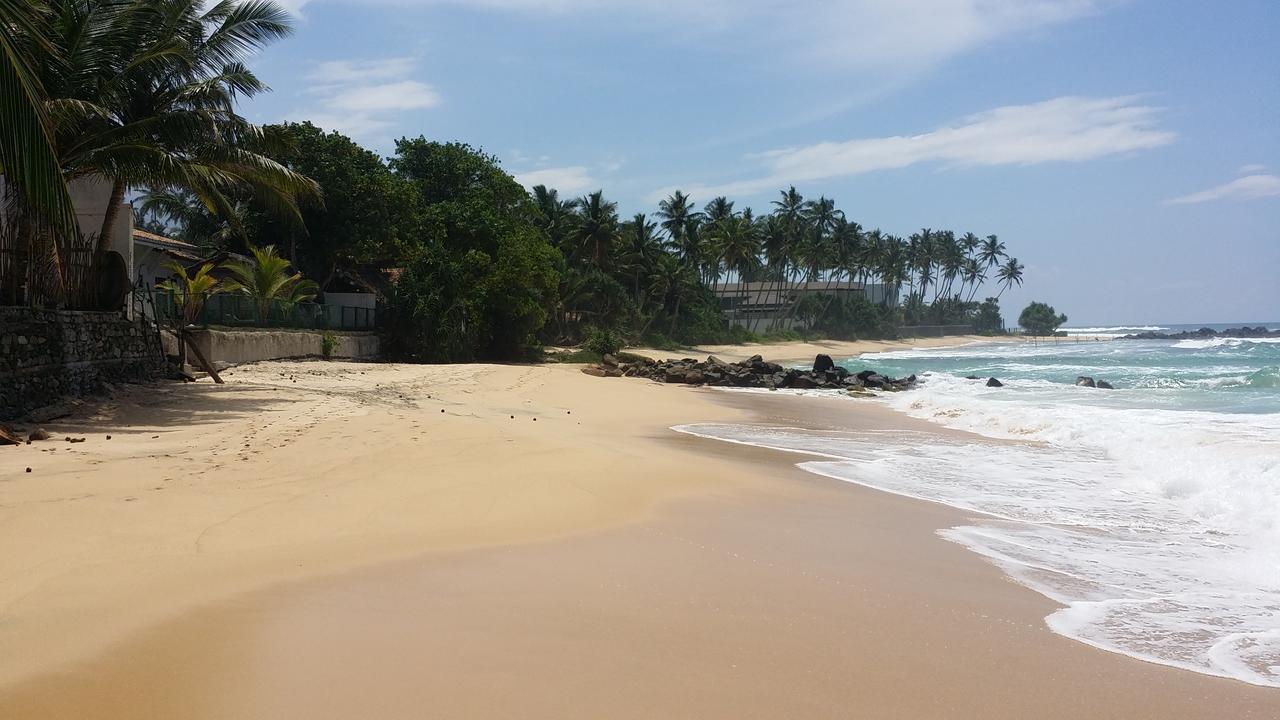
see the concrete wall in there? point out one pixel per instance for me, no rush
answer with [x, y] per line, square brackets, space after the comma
[243, 346]
[48, 354]
[90, 197]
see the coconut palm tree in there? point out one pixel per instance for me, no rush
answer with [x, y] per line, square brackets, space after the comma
[640, 250]
[991, 252]
[594, 231]
[1009, 274]
[143, 92]
[555, 215]
[28, 158]
[265, 278]
[678, 219]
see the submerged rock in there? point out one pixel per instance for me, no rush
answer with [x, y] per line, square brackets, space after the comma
[1104, 385]
[1084, 381]
[992, 382]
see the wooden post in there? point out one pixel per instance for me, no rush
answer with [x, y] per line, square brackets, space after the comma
[208, 367]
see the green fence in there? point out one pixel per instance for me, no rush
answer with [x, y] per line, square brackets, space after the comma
[236, 310]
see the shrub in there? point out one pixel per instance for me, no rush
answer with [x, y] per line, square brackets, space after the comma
[602, 341]
[1040, 319]
[328, 343]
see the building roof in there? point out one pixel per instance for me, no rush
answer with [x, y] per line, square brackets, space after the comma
[160, 241]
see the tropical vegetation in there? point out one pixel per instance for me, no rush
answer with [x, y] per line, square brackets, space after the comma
[140, 97]
[1040, 319]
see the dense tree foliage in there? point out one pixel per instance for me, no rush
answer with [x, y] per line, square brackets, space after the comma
[483, 275]
[1040, 319]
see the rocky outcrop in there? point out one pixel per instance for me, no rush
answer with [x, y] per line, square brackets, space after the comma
[1104, 385]
[1205, 333]
[992, 382]
[754, 372]
[1084, 381]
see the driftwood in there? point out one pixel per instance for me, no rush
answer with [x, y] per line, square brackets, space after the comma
[8, 437]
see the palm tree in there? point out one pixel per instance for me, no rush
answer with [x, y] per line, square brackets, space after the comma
[266, 279]
[640, 251]
[737, 246]
[143, 93]
[682, 224]
[991, 252]
[1009, 274]
[28, 158]
[594, 230]
[189, 292]
[555, 215]
[790, 213]
[718, 209]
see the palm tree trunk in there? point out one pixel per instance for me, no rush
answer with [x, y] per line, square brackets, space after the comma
[109, 217]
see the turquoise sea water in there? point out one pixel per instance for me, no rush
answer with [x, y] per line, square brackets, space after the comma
[1150, 512]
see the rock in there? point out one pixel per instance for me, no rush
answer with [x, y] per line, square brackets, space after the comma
[803, 382]
[1104, 385]
[612, 372]
[1083, 381]
[992, 382]
[39, 434]
[754, 359]
[972, 377]
[609, 360]
[822, 363]
[594, 371]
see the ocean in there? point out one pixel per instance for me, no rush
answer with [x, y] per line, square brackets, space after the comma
[1150, 512]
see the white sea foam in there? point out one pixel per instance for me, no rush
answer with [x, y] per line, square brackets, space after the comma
[1157, 529]
[1219, 342]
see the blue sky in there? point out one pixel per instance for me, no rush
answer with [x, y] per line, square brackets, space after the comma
[1127, 151]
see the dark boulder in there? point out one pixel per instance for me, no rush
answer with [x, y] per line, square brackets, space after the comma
[822, 363]
[1104, 385]
[1083, 381]
[992, 382]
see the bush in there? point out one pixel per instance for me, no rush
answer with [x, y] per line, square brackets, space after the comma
[328, 343]
[602, 341]
[1040, 319]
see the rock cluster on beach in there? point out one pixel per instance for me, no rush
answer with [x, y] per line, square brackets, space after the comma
[754, 372]
[1205, 333]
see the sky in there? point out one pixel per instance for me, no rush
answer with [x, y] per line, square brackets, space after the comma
[1126, 151]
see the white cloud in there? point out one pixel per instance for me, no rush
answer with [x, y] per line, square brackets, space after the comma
[361, 97]
[346, 72]
[894, 37]
[568, 180]
[402, 95]
[1252, 169]
[1065, 129]
[1249, 187]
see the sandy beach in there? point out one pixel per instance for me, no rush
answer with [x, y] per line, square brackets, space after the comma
[336, 540]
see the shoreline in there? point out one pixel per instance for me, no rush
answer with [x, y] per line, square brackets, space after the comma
[697, 480]
[803, 350]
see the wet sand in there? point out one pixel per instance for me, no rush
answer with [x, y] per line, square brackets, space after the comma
[619, 570]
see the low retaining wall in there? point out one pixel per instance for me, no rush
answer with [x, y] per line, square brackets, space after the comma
[243, 346]
[49, 354]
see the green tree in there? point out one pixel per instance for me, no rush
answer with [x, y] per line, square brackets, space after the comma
[1040, 319]
[368, 215]
[988, 319]
[483, 275]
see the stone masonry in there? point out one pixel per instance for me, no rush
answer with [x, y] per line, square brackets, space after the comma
[49, 354]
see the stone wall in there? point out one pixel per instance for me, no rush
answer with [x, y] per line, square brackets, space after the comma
[232, 347]
[48, 354]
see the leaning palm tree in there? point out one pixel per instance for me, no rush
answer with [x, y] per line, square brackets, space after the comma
[265, 278]
[1009, 274]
